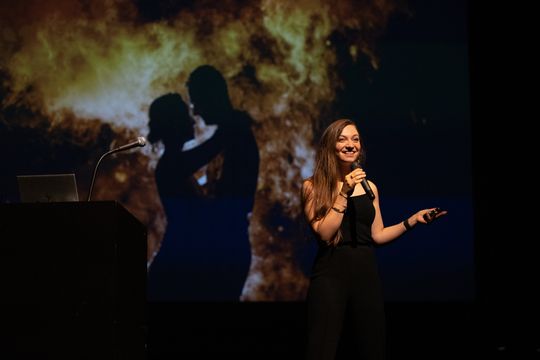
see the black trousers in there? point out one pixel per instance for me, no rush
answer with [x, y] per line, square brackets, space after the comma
[345, 289]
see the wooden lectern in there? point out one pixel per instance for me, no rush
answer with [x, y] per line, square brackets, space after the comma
[73, 278]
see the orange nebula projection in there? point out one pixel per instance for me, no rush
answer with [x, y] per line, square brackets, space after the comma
[85, 72]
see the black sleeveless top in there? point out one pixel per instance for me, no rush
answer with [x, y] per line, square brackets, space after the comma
[357, 220]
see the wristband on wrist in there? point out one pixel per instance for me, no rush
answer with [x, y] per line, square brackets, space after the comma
[407, 225]
[339, 211]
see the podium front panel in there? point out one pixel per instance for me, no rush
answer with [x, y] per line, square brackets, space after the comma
[74, 281]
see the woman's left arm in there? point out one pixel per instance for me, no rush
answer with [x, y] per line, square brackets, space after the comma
[382, 235]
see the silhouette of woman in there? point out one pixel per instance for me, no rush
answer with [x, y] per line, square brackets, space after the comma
[180, 269]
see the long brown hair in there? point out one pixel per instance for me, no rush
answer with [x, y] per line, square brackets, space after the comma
[326, 173]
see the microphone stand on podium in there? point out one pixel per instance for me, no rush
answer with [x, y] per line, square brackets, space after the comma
[141, 141]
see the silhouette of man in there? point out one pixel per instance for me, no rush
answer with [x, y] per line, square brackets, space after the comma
[234, 185]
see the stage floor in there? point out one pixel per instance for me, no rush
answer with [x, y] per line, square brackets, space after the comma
[276, 331]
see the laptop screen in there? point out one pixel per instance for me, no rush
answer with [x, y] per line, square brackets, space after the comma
[47, 188]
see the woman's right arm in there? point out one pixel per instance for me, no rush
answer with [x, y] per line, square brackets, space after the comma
[194, 159]
[327, 226]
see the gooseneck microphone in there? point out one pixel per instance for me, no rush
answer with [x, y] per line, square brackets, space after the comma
[364, 182]
[141, 141]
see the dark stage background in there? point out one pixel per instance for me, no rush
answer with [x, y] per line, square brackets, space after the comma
[78, 78]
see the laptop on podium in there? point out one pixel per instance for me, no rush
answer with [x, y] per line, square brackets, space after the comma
[47, 188]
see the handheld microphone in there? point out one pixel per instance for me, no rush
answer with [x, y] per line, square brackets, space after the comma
[365, 184]
[141, 141]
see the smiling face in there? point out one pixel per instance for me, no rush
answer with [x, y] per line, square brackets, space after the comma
[348, 145]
